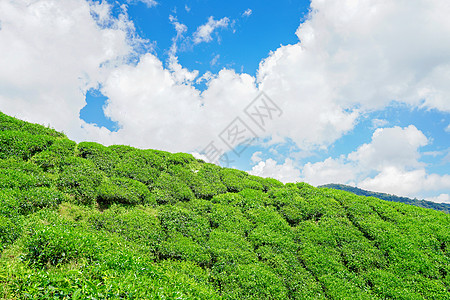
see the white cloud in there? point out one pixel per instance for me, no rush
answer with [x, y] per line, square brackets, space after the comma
[51, 52]
[389, 163]
[396, 181]
[149, 3]
[215, 60]
[447, 129]
[187, 8]
[391, 147]
[285, 172]
[247, 12]
[379, 123]
[256, 157]
[204, 32]
[442, 198]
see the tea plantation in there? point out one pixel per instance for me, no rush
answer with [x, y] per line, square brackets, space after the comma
[85, 221]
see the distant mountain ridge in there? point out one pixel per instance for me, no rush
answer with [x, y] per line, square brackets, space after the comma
[388, 197]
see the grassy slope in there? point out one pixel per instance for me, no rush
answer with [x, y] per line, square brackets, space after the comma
[92, 222]
[420, 203]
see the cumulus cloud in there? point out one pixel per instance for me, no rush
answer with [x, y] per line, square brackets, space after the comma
[442, 198]
[52, 51]
[204, 32]
[390, 163]
[447, 129]
[286, 172]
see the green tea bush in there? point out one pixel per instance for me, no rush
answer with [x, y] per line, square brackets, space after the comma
[145, 159]
[187, 222]
[80, 178]
[8, 123]
[180, 159]
[180, 247]
[10, 230]
[58, 242]
[103, 158]
[16, 179]
[170, 189]
[228, 248]
[138, 224]
[129, 169]
[34, 199]
[22, 144]
[124, 191]
[206, 182]
[229, 219]
[251, 281]
[121, 150]
[236, 180]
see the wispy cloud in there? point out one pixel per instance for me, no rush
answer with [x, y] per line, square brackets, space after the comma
[204, 32]
[247, 13]
[149, 3]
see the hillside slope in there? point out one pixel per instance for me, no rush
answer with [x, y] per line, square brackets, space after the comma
[388, 197]
[85, 221]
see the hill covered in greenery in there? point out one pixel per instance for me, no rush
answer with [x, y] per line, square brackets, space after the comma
[388, 197]
[85, 221]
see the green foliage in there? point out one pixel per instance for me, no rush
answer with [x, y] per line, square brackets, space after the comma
[167, 226]
[8, 123]
[22, 145]
[171, 189]
[237, 180]
[16, 174]
[206, 182]
[58, 243]
[125, 191]
[80, 178]
[103, 158]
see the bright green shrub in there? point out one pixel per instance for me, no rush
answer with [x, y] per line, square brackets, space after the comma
[58, 242]
[10, 230]
[170, 189]
[48, 161]
[22, 144]
[251, 281]
[180, 247]
[138, 224]
[229, 219]
[146, 175]
[124, 191]
[16, 179]
[237, 180]
[227, 248]
[121, 150]
[145, 159]
[180, 159]
[32, 200]
[206, 182]
[267, 183]
[233, 199]
[8, 123]
[63, 147]
[252, 199]
[80, 178]
[103, 158]
[187, 222]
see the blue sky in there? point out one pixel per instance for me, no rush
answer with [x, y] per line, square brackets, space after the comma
[363, 87]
